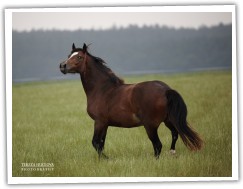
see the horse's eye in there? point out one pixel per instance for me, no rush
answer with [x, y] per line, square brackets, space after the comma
[79, 57]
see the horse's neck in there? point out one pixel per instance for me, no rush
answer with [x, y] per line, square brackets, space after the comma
[93, 80]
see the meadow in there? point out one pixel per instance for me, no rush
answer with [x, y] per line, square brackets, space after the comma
[50, 125]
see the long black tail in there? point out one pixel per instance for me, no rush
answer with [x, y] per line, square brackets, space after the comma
[177, 113]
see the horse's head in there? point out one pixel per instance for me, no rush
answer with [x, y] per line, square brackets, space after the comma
[76, 60]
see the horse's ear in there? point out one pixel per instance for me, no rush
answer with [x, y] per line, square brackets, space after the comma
[73, 47]
[84, 48]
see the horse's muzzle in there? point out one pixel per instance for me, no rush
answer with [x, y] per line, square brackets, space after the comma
[63, 68]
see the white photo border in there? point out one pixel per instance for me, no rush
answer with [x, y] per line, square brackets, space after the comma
[8, 64]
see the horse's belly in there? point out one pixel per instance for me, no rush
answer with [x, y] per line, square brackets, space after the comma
[126, 120]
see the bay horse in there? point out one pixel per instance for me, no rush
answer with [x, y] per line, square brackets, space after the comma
[111, 102]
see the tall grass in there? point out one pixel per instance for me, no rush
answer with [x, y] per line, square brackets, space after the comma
[50, 125]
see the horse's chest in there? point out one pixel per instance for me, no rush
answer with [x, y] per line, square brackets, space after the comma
[97, 110]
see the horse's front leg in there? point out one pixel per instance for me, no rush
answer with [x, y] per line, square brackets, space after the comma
[98, 140]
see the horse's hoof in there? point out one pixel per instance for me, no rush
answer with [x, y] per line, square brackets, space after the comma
[172, 152]
[103, 156]
[156, 156]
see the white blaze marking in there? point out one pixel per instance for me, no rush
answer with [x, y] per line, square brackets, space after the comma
[75, 53]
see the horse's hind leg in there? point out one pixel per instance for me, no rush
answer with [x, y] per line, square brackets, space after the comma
[174, 134]
[154, 138]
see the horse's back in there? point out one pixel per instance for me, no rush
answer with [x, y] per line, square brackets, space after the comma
[150, 91]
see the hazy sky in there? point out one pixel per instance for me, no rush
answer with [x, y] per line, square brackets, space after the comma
[103, 20]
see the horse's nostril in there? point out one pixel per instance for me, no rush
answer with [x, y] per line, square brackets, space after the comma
[63, 66]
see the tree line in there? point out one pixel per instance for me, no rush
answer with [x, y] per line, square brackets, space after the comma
[37, 54]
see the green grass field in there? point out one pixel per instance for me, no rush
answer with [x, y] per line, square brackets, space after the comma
[50, 125]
